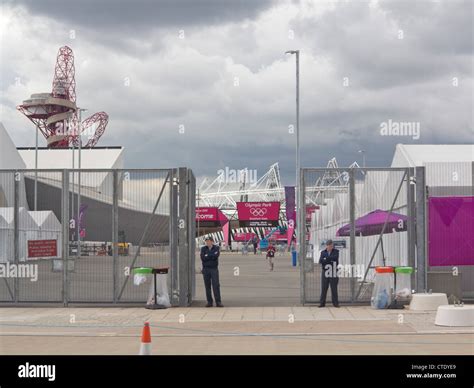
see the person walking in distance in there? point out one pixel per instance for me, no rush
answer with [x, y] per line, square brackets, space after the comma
[210, 272]
[255, 245]
[270, 256]
[329, 261]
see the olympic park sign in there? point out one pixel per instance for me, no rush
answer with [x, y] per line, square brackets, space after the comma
[258, 213]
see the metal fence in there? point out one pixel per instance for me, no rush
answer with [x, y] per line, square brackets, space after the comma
[74, 236]
[450, 228]
[335, 203]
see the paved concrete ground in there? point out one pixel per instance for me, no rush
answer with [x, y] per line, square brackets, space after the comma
[246, 281]
[274, 345]
[251, 330]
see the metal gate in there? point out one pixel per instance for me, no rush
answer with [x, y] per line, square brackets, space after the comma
[74, 236]
[332, 204]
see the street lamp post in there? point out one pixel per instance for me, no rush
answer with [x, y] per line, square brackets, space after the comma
[363, 157]
[297, 53]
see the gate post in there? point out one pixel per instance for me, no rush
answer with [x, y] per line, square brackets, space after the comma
[65, 234]
[352, 210]
[301, 234]
[191, 227]
[411, 236]
[183, 252]
[421, 257]
[16, 233]
[115, 221]
[173, 236]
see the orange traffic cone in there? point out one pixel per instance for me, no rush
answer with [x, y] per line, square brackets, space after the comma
[145, 347]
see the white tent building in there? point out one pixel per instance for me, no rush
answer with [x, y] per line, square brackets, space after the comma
[448, 166]
[6, 235]
[449, 171]
[27, 228]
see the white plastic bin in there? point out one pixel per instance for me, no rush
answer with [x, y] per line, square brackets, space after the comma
[382, 292]
[403, 282]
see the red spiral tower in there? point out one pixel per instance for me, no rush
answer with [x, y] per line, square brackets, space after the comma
[55, 113]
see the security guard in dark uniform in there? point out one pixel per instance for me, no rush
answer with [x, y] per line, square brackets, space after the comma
[210, 272]
[329, 261]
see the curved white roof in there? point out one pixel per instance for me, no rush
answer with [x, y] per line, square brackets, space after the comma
[91, 158]
[446, 164]
[412, 155]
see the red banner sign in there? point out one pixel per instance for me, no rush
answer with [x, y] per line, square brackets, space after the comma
[42, 248]
[258, 213]
[206, 214]
[240, 236]
[210, 217]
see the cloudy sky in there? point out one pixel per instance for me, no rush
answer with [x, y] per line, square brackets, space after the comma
[207, 84]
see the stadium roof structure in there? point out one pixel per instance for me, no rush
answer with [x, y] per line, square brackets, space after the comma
[224, 195]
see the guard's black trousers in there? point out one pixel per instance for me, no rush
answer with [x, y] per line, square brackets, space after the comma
[211, 278]
[325, 283]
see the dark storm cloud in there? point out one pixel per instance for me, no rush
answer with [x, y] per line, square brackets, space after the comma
[120, 15]
[130, 26]
[436, 39]
[442, 27]
[191, 81]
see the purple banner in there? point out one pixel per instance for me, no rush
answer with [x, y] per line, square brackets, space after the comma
[82, 213]
[290, 204]
[290, 212]
[451, 231]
